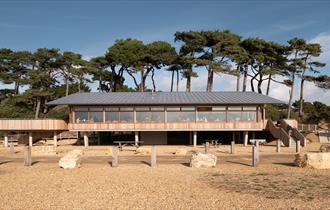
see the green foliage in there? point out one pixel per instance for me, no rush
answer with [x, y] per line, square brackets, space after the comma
[59, 112]
[16, 107]
[275, 112]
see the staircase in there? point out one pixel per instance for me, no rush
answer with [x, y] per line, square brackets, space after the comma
[288, 134]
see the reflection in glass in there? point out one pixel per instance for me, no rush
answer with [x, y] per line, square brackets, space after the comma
[142, 116]
[180, 116]
[249, 116]
[126, 117]
[81, 117]
[112, 117]
[211, 116]
[157, 116]
[96, 116]
[234, 116]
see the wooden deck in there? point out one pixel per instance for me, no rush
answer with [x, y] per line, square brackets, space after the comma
[33, 125]
[179, 126]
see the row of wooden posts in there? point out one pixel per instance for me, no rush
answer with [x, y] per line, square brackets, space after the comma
[153, 157]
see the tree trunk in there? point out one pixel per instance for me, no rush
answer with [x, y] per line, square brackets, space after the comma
[172, 81]
[142, 82]
[238, 77]
[66, 86]
[153, 80]
[209, 80]
[16, 87]
[37, 108]
[291, 96]
[100, 83]
[268, 84]
[45, 106]
[177, 81]
[188, 85]
[301, 98]
[245, 78]
[259, 84]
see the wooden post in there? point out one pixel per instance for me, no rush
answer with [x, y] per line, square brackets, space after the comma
[278, 145]
[246, 138]
[78, 138]
[232, 147]
[298, 146]
[85, 140]
[27, 156]
[114, 156]
[5, 139]
[207, 146]
[136, 138]
[12, 148]
[190, 138]
[255, 156]
[99, 138]
[195, 138]
[30, 139]
[153, 156]
[55, 139]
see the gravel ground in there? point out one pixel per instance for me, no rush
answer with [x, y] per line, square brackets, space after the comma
[233, 184]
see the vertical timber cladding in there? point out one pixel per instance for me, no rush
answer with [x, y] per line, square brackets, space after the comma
[153, 137]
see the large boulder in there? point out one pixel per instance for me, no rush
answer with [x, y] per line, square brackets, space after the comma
[320, 160]
[71, 160]
[181, 152]
[143, 151]
[199, 160]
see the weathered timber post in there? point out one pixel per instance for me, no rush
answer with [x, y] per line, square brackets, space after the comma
[298, 146]
[99, 138]
[55, 139]
[278, 145]
[85, 140]
[255, 151]
[27, 156]
[207, 147]
[12, 148]
[136, 138]
[232, 147]
[30, 139]
[246, 138]
[153, 159]
[5, 139]
[195, 138]
[114, 156]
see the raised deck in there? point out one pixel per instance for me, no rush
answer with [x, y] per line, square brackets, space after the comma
[33, 125]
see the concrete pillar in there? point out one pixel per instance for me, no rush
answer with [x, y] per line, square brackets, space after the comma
[195, 138]
[207, 146]
[246, 138]
[136, 138]
[55, 139]
[298, 146]
[85, 140]
[232, 147]
[5, 139]
[27, 156]
[30, 139]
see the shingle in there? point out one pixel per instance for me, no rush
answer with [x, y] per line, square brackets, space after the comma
[186, 98]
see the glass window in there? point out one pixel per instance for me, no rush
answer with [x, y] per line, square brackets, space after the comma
[112, 117]
[142, 116]
[157, 108]
[126, 117]
[234, 116]
[180, 116]
[252, 108]
[249, 116]
[188, 108]
[81, 117]
[81, 108]
[173, 108]
[219, 108]
[234, 108]
[126, 108]
[96, 116]
[112, 109]
[211, 116]
[142, 108]
[157, 116]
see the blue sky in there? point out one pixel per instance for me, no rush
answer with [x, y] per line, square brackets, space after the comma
[90, 27]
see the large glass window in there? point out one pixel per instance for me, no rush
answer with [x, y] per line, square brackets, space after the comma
[95, 116]
[112, 117]
[157, 116]
[211, 116]
[81, 116]
[126, 117]
[180, 116]
[249, 116]
[142, 116]
[234, 116]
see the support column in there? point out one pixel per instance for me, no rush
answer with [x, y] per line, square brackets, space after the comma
[85, 140]
[278, 145]
[98, 138]
[55, 139]
[195, 138]
[5, 139]
[153, 159]
[136, 138]
[190, 138]
[298, 146]
[246, 138]
[30, 139]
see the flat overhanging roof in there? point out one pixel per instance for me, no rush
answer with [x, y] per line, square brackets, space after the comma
[166, 98]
